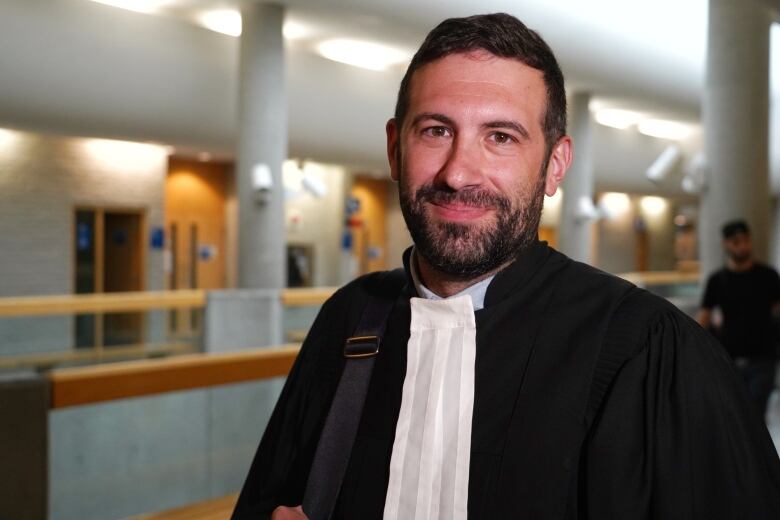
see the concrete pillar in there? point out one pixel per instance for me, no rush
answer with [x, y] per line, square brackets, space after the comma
[575, 232]
[262, 140]
[735, 114]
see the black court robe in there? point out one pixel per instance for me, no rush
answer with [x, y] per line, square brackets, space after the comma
[593, 399]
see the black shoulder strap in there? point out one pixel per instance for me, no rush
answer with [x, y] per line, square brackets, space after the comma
[338, 434]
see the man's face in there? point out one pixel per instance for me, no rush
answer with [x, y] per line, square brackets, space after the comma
[738, 247]
[471, 161]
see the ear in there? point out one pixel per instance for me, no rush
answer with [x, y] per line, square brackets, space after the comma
[560, 159]
[392, 131]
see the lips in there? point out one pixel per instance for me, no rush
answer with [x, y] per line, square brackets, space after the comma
[459, 212]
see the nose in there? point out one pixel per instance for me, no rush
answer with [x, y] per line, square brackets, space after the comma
[462, 168]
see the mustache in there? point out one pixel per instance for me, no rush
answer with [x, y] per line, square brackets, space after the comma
[476, 197]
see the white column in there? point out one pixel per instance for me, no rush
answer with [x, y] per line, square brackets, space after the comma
[735, 114]
[575, 233]
[262, 140]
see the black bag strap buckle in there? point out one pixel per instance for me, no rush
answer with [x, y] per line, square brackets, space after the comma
[358, 347]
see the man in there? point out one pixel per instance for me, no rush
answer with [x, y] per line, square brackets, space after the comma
[744, 295]
[511, 382]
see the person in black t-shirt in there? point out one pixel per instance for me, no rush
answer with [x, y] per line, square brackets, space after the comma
[739, 306]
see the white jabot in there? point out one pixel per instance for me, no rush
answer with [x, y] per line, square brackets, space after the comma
[429, 467]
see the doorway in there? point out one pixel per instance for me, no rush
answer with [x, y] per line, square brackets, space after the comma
[197, 198]
[109, 257]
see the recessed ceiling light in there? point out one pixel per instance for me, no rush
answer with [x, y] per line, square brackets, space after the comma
[367, 55]
[613, 205]
[125, 154]
[225, 21]
[653, 206]
[664, 129]
[617, 118]
[7, 137]
[139, 6]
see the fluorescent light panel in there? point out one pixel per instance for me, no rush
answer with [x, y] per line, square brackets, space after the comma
[139, 6]
[664, 129]
[617, 118]
[363, 54]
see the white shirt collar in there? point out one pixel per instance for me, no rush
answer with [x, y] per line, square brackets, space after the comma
[476, 291]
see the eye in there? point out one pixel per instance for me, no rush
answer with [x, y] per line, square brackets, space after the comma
[502, 138]
[437, 131]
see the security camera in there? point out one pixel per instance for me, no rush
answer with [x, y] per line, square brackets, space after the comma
[664, 164]
[314, 186]
[587, 210]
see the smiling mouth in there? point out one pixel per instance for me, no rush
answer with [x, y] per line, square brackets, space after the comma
[454, 211]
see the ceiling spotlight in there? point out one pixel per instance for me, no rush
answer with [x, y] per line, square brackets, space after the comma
[664, 129]
[363, 54]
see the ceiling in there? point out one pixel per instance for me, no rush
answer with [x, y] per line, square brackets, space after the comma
[83, 68]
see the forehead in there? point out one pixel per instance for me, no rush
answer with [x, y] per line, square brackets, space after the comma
[478, 79]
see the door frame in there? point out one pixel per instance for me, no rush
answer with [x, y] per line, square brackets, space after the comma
[99, 260]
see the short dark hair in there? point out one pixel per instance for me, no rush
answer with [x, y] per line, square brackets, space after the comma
[504, 36]
[734, 227]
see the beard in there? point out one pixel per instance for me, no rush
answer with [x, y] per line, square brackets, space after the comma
[739, 257]
[467, 251]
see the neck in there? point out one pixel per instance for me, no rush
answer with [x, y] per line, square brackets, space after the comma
[740, 266]
[443, 284]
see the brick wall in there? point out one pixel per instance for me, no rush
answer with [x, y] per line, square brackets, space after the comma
[42, 179]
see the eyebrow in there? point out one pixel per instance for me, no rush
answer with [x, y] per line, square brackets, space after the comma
[510, 125]
[432, 115]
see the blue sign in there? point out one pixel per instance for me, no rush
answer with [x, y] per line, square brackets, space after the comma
[158, 238]
[352, 206]
[346, 241]
[83, 236]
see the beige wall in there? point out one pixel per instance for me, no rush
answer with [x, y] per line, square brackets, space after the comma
[617, 238]
[42, 180]
[317, 222]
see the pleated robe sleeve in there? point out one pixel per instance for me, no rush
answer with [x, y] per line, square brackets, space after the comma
[281, 465]
[676, 436]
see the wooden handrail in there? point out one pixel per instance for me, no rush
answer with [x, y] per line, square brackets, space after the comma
[101, 302]
[305, 296]
[138, 301]
[95, 384]
[91, 355]
[645, 278]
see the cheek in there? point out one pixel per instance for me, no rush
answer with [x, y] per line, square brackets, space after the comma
[421, 164]
[517, 177]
